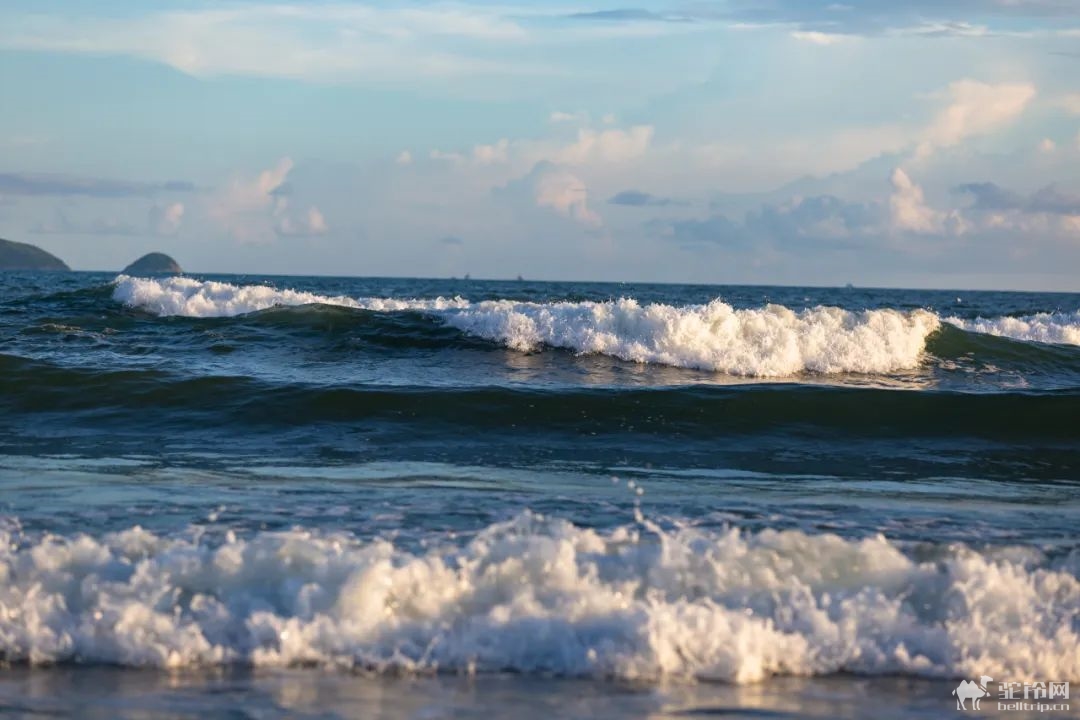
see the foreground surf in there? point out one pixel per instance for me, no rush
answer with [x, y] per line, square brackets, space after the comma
[540, 596]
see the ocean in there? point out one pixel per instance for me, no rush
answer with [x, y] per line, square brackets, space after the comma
[312, 497]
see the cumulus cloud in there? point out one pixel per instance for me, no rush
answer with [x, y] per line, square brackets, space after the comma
[305, 225]
[975, 108]
[817, 220]
[908, 207]
[567, 195]
[555, 189]
[160, 220]
[830, 221]
[257, 209]
[1046, 209]
[165, 220]
[404, 158]
[490, 154]
[614, 145]
[606, 146]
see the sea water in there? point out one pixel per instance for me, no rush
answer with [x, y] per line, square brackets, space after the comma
[323, 497]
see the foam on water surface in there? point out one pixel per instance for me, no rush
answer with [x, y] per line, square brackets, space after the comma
[772, 341]
[1060, 328]
[534, 595]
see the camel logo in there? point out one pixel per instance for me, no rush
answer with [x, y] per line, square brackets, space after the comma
[972, 691]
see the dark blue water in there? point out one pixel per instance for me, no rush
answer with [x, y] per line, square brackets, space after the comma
[622, 493]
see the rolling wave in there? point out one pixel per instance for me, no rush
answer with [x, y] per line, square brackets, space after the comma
[769, 342]
[541, 596]
[772, 341]
[1057, 328]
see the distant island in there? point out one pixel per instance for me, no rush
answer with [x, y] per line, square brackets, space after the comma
[154, 263]
[22, 256]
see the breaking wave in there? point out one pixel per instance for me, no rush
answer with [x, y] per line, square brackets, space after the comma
[1058, 328]
[535, 595]
[772, 341]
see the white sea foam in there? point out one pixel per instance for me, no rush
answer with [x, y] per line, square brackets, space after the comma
[541, 596]
[1061, 328]
[188, 297]
[771, 341]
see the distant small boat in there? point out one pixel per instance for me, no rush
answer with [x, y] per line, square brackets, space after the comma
[520, 278]
[849, 286]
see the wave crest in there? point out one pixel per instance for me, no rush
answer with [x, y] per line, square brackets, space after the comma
[772, 341]
[1059, 328]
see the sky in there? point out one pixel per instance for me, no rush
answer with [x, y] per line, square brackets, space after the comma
[798, 142]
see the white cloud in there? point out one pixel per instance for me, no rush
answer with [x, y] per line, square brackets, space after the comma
[1046, 145]
[1026, 224]
[910, 213]
[566, 194]
[497, 152]
[565, 117]
[975, 108]
[405, 158]
[951, 28]
[490, 154]
[312, 223]
[957, 112]
[612, 145]
[818, 38]
[165, 220]
[1048, 210]
[245, 207]
[258, 209]
[590, 147]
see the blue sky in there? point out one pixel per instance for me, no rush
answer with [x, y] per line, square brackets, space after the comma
[930, 144]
